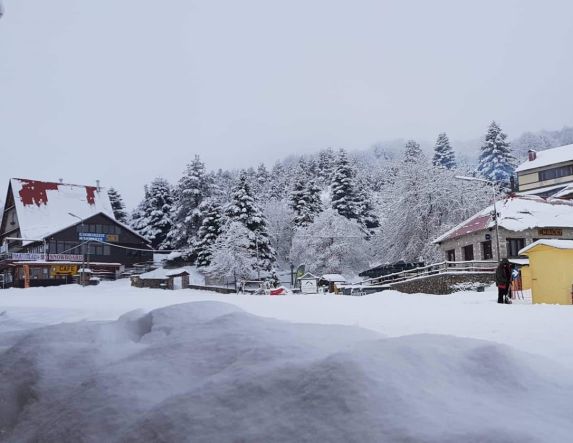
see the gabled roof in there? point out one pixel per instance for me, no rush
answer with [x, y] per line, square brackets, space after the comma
[517, 213]
[44, 208]
[548, 157]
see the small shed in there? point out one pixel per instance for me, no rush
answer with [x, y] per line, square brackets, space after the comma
[309, 283]
[551, 271]
[332, 281]
[162, 279]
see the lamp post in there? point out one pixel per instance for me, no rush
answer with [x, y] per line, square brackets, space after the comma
[86, 256]
[492, 184]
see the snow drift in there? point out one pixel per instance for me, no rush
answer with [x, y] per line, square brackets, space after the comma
[208, 371]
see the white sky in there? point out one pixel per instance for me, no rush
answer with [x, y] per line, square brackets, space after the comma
[124, 90]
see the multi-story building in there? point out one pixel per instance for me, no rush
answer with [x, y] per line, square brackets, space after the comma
[547, 173]
[50, 230]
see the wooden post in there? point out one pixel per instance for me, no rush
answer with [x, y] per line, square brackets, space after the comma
[26, 276]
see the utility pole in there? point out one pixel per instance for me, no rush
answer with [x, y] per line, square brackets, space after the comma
[257, 248]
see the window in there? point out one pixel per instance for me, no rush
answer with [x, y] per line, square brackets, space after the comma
[468, 252]
[514, 245]
[451, 255]
[486, 252]
[554, 173]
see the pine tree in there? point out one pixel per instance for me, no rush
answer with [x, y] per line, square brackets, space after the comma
[243, 209]
[412, 152]
[444, 156]
[304, 198]
[326, 165]
[210, 230]
[117, 205]
[278, 182]
[343, 190]
[193, 187]
[152, 218]
[496, 162]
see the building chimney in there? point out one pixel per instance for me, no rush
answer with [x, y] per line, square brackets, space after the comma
[97, 186]
[61, 180]
[532, 154]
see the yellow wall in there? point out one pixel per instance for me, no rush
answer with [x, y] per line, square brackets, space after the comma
[551, 271]
[525, 278]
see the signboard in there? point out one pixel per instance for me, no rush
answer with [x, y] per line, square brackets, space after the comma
[64, 270]
[555, 232]
[309, 286]
[92, 236]
[25, 256]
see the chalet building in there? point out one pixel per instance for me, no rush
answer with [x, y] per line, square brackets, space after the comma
[547, 173]
[51, 230]
[522, 220]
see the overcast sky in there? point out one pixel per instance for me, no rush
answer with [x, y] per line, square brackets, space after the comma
[125, 90]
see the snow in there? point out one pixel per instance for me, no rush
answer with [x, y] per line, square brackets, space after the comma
[333, 277]
[559, 244]
[517, 214]
[548, 157]
[384, 367]
[39, 220]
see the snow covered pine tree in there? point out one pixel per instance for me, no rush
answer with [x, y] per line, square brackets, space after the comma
[193, 187]
[152, 218]
[210, 230]
[444, 156]
[496, 162]
[343, 190]
[117, 205]
[243, 209]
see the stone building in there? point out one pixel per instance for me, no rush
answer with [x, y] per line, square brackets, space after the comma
[522, 219]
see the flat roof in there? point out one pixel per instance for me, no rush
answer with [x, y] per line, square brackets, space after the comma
[558, 244]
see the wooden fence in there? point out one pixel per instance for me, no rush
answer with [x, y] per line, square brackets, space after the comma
[446, 267]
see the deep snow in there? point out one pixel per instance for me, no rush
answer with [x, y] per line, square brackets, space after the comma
[215, 371]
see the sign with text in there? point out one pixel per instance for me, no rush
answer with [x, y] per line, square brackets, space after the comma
[554, 232]
[92, 236]
[26, 256]
[64, 270]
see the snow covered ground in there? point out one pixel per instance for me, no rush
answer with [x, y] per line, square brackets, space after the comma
[232, 369]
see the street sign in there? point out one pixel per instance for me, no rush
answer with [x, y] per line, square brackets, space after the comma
[26, 256]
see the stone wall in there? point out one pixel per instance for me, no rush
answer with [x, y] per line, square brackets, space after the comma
[441, 283]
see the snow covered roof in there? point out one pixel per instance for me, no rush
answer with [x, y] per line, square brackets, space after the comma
[163, 273]
[559, 244]
[548, 157]
[44, 207]
[516, 214]
[333, 278]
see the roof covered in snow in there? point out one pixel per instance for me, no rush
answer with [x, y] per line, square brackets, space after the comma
[548, 157]
[44, 207]
[516, 214]
[162, 273]
[559, 244]
[333, 277]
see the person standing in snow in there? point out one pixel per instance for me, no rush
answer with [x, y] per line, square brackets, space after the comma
[503, 280]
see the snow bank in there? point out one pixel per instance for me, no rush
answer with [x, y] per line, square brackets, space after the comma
[208, 371]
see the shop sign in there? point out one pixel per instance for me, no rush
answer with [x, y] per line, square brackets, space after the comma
[26, 256]
[554, 232]
[64, 270]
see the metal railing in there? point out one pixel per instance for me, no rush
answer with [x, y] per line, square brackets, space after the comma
[445, 267]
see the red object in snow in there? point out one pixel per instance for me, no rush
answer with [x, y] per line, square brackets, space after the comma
[278, 291]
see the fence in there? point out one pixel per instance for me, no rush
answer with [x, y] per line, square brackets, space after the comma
[446, 267]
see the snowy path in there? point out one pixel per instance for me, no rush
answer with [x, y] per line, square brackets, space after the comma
[538, 329]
